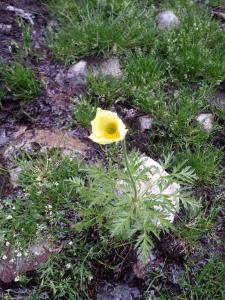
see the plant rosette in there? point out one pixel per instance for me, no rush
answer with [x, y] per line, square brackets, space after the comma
[156, 184]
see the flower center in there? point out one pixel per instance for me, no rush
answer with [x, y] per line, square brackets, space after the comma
[111, 129]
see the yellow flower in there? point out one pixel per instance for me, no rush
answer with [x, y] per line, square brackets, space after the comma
[107, 128]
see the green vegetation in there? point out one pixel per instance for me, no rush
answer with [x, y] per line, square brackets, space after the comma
[208, 282]
[99, 27]
[85, 111]
[26, 31]
[18, 82]
[169, 75]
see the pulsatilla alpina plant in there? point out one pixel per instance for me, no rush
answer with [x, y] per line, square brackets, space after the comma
[113, 199]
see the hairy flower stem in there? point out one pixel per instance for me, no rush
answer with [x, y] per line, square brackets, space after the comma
[129, 171]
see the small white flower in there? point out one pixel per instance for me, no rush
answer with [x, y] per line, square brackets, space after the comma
[68, 266]
[38, 178]
[4, 257]
[19, 254]
[50, 206]
[7, 244]
[70, 243]
[17, 278]
[9, 217]
[12, 260]
[90, 278]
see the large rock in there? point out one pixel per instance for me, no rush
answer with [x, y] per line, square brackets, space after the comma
[41, 139]
[45, 139]
[167, 20]
[14, 264]
[78, 70]
[157, 176]
[206, 121]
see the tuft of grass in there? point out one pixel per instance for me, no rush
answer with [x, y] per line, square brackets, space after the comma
[27, 38]
[104, 90]
[208, 283]
[18, 82]
[193, 228]
[143, 69]
[100, 27]
[204, 160]
[84, 111]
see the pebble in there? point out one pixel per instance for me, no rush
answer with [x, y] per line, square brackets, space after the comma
[206, 121]
[167, 20]
[144, 123]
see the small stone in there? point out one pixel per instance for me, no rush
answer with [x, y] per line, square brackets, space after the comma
[167, 19]
[78, 70]
[5, 28]
[21, 13]
[144, 123]
[110, 67]
[206, 121]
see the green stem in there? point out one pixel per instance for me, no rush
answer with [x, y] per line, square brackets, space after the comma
[129, 171]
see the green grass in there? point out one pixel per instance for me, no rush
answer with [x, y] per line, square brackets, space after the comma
[18, 82]
[196, 226]
[48, 209]
[189, 54]
[100, 27]
[208, 283]
[26, 31]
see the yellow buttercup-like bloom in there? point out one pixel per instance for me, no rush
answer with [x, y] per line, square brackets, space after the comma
[107, 128]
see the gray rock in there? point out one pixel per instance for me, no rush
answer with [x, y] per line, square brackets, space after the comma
[41, 139]
[78, 70]
[144, 123]
[206, 121]
[167, 19]
[118, 292]
[218, 99]
[14, 264]
[110, 67]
